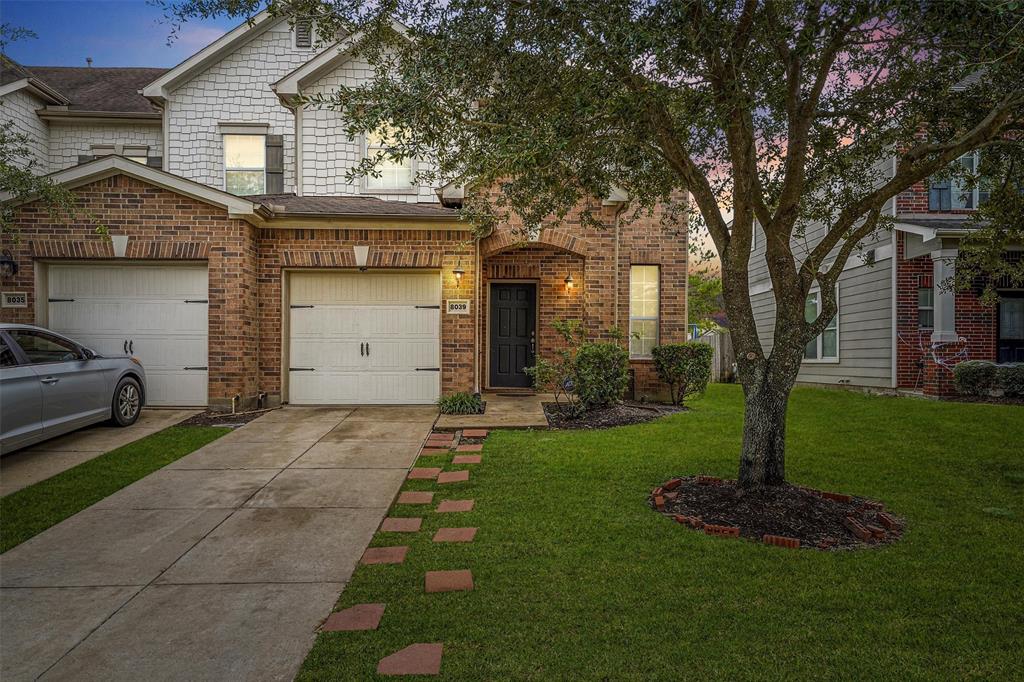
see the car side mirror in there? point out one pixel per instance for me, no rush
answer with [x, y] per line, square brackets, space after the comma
[88, 354]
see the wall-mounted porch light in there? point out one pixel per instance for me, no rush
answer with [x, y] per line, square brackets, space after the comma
[8, 266]
[459, 274]
[568, 281]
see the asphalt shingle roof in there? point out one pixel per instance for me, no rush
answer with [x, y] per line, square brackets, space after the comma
[291, 204]
[93, 88]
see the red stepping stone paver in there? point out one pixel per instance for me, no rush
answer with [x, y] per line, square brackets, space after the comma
[434, 451]
[455, 535]
[453, 476]
[399, 524]
[384, 555]
[415, 497]
[474, 433]
[470, 448]
[358, 617]
[466, 459]
[449, 581]
[424, 473]
[455, 506]
[415, 659]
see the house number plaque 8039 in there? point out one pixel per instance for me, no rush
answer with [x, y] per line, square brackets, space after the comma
[458, 306]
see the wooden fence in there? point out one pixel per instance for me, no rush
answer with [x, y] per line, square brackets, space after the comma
[723, 362]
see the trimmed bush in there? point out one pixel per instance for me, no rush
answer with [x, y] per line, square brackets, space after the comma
[975, 378]
[1010, 378]
[602, 374]
[684, 367]
[461, 403]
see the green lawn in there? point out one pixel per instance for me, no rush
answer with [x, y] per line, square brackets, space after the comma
[30, 511]
[577, 579]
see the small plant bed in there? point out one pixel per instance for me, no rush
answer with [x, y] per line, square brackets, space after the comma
[782, 515]
[621, 414]
[225, 419]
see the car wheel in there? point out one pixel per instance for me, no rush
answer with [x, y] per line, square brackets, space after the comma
[127, 402]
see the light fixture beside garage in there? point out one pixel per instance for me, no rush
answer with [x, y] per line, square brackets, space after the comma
[8, 266]
[459, 274]
[569, 282]
[361, 253]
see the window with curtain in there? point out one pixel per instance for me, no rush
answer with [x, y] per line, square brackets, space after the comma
[245, 164]
[826, 345]
[954, 193]
[644, 309]
[393, 175]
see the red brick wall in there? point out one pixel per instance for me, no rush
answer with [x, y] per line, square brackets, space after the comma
[975, 322]
[161, 225]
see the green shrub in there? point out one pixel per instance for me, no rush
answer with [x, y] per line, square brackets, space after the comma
[1010, 378]
[684, 367]
[974, 377]
[602, 374]
[461, 403]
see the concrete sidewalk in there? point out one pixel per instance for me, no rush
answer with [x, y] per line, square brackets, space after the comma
[217, 567]
[49, 458]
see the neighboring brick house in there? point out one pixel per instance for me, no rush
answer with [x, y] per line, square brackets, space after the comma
[899, 325]
[243, 267]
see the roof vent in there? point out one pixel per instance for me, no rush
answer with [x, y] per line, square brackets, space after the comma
[303, 33]
[88, 61]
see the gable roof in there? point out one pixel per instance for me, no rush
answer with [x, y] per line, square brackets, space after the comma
[101, 89]
[351, 206]
[109, 166]
[14, 77]
[157, 89]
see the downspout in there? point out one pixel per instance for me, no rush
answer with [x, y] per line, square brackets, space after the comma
[894, 282]
[618, 265]
[298, 150]
[476, 319]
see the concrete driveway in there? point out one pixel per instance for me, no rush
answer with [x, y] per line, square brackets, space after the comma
[217, 567]
[49, 458]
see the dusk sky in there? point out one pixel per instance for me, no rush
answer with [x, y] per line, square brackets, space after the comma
[112, 32]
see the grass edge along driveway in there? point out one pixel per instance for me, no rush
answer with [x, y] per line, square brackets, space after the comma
[575, 578]
[27, 512]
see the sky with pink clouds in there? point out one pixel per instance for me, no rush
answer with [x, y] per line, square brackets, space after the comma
[112, 32]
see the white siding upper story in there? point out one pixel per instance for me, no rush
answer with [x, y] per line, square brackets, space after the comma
[328, 153]
[68, 141]
[20, 107]
[230, 91]
[864, 321]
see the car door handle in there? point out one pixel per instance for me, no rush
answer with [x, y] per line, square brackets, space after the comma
[50, 380]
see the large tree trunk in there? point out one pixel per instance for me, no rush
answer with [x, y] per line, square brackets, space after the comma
[763, 458]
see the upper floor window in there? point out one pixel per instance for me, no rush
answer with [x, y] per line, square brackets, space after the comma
[925, 307]
[245, 164]
[644, 299]
[303, 33]
[393, 175]
[825, 346]
[954, 192]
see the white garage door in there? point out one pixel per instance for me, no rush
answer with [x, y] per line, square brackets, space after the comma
[364, 338]
[157, 312]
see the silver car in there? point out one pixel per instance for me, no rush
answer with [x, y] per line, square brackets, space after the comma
[50, 385]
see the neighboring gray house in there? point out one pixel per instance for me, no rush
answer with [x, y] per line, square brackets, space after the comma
[897, 327]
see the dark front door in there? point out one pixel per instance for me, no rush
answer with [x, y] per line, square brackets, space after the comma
[1011, 327]
[513, 333]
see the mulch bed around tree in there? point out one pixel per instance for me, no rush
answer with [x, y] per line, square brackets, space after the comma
[821, 520]
[623, 414]
[224, 418]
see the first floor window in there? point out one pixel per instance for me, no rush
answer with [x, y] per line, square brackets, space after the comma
[925, 307]
[390, 174]
[644, 306]
[826, 345]
[245, 164]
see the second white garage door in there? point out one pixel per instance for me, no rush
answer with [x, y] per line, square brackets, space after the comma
[364, 338]
[158, 313]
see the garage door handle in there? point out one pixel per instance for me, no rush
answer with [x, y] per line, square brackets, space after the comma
[196, 368]
[50, 380]
[131, 346]
[361, 349]
[367, 349]
[126, 346]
